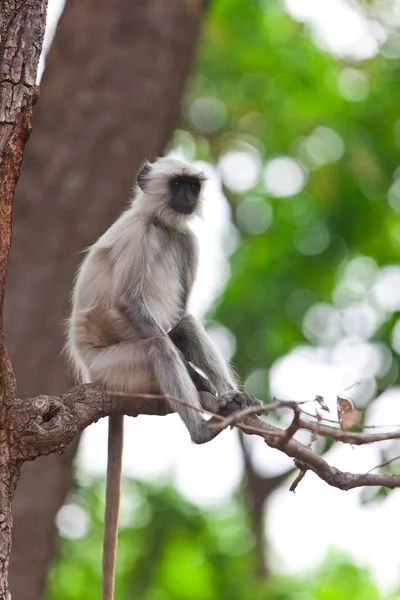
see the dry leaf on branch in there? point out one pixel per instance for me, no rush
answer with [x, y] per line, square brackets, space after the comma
[347, 413]
[321, 402]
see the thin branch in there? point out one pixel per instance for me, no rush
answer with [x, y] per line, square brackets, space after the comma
[295, 424]
[385, 463]
[300, 475]
[348, 437]
[316, 463]
[340, 435]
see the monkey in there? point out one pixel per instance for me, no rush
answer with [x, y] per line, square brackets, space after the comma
[129, 328]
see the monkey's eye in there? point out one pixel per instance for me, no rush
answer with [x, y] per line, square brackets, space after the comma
[194, 186]
[177, 185]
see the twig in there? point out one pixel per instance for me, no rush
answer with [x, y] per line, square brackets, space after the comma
[256, 410]
[300, 475]
[384, 464]
[294, 425]
[348, 437]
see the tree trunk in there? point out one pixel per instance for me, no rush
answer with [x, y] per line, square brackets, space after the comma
[21, 37]
[110, 97]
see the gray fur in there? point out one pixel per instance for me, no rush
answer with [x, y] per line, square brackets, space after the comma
[132, 289]
[129, 330]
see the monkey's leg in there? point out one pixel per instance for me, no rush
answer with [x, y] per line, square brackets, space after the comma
[201, 382]
[193, 341]
[197, 347]
[152, 366]
[175, 380]
[207, 392]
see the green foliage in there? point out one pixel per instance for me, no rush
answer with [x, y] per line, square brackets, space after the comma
[171, 550]
[280, 93]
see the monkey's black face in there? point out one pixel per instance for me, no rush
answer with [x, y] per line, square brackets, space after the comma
[184, 193]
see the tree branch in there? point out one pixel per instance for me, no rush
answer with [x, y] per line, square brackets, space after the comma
[47, 424]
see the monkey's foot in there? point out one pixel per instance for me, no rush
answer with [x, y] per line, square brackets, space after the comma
[233, 401]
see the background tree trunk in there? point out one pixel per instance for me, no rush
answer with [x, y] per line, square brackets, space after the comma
[110, 97]
[258, 489]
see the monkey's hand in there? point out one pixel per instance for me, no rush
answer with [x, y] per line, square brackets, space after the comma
[233, 401]
[229, 403]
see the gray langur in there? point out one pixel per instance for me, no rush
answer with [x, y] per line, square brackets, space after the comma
[129, 329]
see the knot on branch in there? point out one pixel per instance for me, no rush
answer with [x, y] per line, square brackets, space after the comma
[47, 424]
[42, 425]
[48, 407]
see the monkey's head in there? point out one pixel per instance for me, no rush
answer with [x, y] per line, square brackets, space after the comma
[171, 188]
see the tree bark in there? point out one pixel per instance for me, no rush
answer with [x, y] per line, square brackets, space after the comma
[110, 97]
[21, 37]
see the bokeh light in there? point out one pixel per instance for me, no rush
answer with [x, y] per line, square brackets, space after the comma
[386, 290]
[322, 324]
[321, 147]
[338, 26]
[312, 240]
[207, 114]
[284, 177]
[353, 85]
[72, 521]
[254, 215]
[240, 170]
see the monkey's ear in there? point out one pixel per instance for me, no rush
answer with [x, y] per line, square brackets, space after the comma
[143, 176]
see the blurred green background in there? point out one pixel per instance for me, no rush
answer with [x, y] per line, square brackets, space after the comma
[295, 105]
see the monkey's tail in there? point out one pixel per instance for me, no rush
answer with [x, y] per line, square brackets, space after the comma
[113, 493]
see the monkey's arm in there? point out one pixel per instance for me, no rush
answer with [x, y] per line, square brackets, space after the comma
[129, 279]
[197, 347]
[133, 306]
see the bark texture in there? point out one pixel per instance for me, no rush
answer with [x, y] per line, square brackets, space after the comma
[21, 37]
[110, 97]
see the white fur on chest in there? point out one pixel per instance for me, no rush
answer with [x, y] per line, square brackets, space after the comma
[163, 292]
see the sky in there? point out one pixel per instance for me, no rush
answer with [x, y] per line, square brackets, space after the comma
[301, 527]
